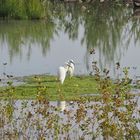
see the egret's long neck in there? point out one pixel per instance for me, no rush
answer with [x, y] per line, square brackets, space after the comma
[66, 68]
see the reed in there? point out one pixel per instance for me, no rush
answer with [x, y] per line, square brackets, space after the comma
[21, 9]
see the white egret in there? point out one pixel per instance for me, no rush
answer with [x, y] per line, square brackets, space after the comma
[62, 71]
[71, 67]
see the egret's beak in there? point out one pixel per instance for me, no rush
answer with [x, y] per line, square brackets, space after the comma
[71, 61]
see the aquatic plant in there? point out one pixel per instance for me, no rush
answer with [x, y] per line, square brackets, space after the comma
[112, 115]
[118, 105]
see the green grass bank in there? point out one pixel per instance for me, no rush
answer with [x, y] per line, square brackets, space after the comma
[49, 87]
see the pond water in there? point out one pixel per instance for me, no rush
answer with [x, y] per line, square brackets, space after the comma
[29, 119]
[70, 32]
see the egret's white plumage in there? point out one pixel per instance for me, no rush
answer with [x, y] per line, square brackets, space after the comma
[62, 71]
[71, 68]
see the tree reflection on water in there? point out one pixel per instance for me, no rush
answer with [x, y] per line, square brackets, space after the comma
[108, 27]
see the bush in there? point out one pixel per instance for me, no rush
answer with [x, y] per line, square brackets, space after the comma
[21, 9]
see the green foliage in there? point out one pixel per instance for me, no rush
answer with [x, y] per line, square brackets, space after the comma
[31, 9]
[116, 111]
[21, 9]
[4, 8]
[34, 9]
[18, 9]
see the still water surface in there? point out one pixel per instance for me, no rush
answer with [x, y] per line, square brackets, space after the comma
[59, 120]
[38, 47]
